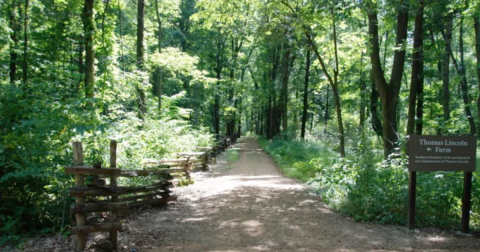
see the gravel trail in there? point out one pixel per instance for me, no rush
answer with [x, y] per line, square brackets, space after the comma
[252, 207]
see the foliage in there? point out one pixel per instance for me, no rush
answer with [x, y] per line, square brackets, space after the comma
[369, 189]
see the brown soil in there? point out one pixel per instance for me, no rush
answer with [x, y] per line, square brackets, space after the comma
[252, 207]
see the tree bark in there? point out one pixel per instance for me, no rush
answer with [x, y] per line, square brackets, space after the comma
[142, 109]
[89, 30]
[389, 92]
[305, 94]
[416, 82]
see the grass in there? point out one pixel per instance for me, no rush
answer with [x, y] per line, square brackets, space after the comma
[232, 156]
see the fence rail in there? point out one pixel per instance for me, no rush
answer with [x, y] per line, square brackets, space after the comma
[94, 195]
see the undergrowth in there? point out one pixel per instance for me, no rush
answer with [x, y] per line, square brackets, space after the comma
[34, 150]
[367, 188]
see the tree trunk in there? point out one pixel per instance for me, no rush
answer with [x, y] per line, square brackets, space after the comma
[269, 119]
[416, 82]
[389, 92]
[284, 93]
[338, 110]
[158, 79]
[464, 83]
[236, 46]
[446, 68]
[89, 30]
[326, 115]
[216, 106]
[376, 122]
[14, 37]
[305, 94]
[25, 45]
[239, 124]
[333, 81]
[81, 66]
[363, 100]
[158, 70]
[477, 50]
[142, 109]
[336, 95]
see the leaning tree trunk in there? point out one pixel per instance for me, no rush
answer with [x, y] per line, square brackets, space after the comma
[332, 81]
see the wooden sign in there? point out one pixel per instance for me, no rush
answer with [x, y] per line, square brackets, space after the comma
[442, 153]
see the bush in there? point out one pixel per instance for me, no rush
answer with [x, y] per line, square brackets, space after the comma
[368, 188]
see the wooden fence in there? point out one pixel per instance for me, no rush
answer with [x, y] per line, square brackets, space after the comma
[93, 195]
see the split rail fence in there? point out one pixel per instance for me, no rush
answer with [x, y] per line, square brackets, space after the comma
[94, 196]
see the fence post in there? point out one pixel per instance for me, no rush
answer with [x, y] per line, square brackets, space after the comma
[205, 161]
[113, 185]
[79, 183]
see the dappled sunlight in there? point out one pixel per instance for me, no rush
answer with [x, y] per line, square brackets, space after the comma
[252, 207]
[437, 239]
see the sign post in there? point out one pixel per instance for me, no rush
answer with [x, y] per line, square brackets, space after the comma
[442, 153]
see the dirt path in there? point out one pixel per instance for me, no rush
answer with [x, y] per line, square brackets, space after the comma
[252, 207]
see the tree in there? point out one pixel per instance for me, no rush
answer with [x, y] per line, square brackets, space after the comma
[305, 93]
[416, 82]
[142, 108]
[89, 31]
[388, 92]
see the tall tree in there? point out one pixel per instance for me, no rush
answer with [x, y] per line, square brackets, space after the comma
[158, 71]
[89, 31]
[25, 44]
[305, 93]
[476, 22]
[332, 81]
[416, 82]
[15, 27]
[388, 91]
[142, 108]
[460, 67]
[284, 91]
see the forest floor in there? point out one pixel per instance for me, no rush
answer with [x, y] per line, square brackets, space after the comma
[249, 206]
